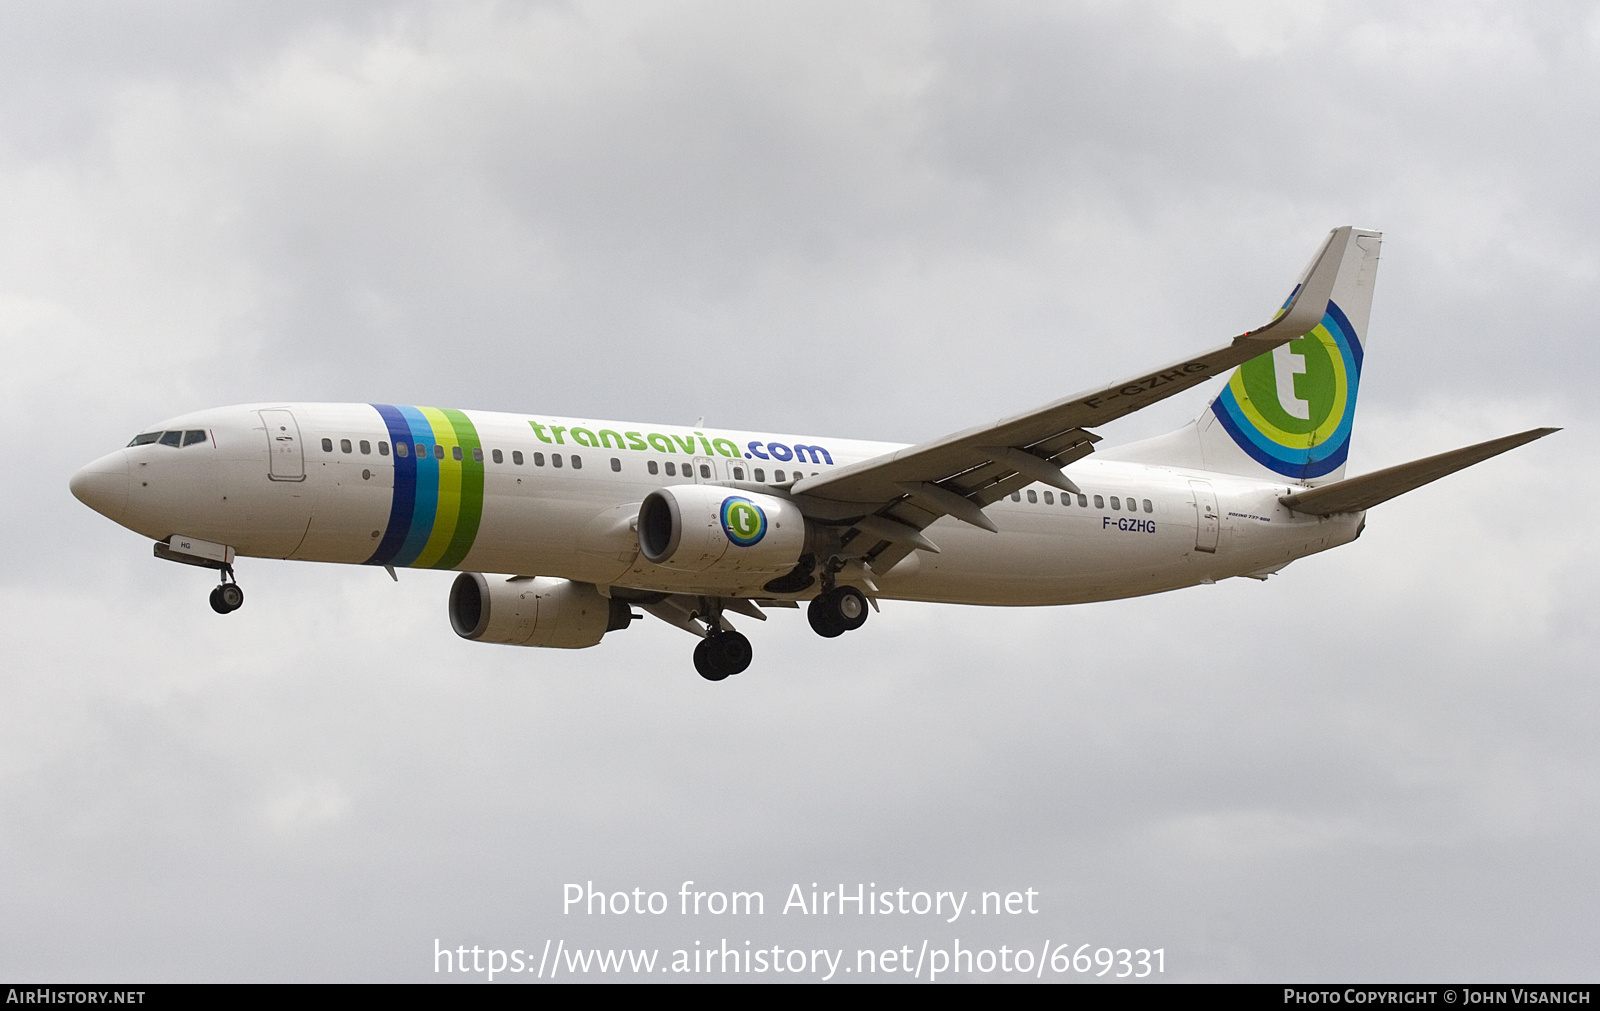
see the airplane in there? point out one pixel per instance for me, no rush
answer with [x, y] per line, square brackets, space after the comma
[584, 520]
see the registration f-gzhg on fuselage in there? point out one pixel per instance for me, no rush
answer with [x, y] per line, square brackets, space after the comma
[586, 519]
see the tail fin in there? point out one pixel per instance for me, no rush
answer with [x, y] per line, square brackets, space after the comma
[1289, 412]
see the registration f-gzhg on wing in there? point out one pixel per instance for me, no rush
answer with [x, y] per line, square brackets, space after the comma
[585, 520]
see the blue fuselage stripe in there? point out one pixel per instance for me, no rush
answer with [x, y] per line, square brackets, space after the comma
[426, 504]
[405, 487]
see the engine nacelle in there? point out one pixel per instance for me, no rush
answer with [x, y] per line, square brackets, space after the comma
[703, 527]
[537, 611]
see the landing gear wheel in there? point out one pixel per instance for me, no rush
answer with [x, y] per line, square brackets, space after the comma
[227, 598]
[722, 655]
[705, 661]
[824, 615]
[735, 651]
[841, 610]
[851, 605]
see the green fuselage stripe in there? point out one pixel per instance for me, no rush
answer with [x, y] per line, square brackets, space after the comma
[469, 499]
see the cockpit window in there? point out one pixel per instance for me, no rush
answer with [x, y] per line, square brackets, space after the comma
[193, 436]
[171, 438]
[145, 439]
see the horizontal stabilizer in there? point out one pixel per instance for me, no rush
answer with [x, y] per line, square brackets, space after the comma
[1366, 491]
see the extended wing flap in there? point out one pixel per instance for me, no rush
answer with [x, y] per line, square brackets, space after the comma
[1358, 493]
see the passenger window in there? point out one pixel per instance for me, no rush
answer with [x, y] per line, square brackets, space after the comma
[344, 446]
[705, 470]
[555, 459]
[538, 459]
[498, 456]
[455, 453]
[516, 457]
[1083, 501]
[401, 448]
[616, 465]
[1148, 507]
[1099, 503]
[1016, 496]
[1049, 499]
[738, 473]
[651, 467]
[477, 454]
[577, 462]
[1116, 503]
[438, 451]
[1033, 496]
[761, 475]
[327, 444]
[366, 448]
[193, 436]
[672, 469]
[422, 451]
[383, 449]
[777, 475]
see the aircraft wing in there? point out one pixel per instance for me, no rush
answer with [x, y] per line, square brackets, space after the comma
[1357, 493]
[959, 474]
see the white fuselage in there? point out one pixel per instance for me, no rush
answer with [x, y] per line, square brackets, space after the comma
[327, 483]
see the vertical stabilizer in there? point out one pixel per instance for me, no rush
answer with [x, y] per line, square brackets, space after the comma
[1287, 414]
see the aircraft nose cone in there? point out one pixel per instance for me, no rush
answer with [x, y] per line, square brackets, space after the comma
[103, 485]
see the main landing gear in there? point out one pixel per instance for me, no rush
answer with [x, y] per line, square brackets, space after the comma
[227, 597]
[721, 654]
[837, 611]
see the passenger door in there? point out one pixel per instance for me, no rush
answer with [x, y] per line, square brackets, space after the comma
[288, 461]
[1207, 518]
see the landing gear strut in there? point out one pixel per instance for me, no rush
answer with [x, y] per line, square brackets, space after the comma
[722, 654]
[837, 611]
[227, 597]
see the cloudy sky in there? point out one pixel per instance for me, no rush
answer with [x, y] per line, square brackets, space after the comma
[882, 221]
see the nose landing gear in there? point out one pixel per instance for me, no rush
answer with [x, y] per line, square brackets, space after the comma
[227, 597]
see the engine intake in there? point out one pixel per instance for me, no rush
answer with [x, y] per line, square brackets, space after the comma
[702, 527]
[536, 611]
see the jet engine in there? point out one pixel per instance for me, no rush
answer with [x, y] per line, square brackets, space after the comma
[703, 527]
[533, 611]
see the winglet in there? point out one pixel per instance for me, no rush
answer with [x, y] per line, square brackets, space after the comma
[1309, 301]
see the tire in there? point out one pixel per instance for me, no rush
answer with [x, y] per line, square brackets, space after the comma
[733, 652]
[706, 661]
[217, 604]
[824, 616]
